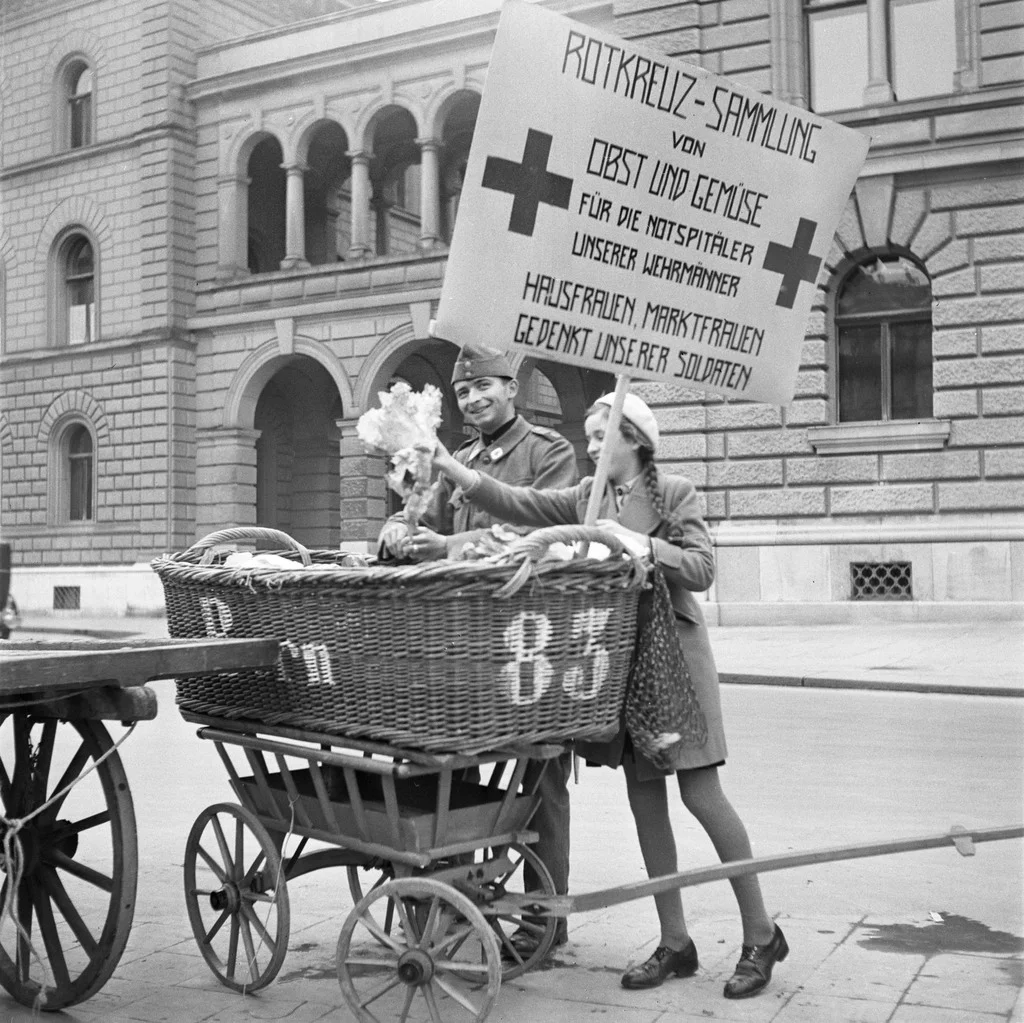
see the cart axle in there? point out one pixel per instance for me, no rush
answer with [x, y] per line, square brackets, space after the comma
[415, 968]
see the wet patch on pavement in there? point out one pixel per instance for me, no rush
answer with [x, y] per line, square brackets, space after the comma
[309, 973]
[1014, 970]
[954, 934]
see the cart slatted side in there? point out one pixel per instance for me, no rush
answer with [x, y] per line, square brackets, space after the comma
[373, 801]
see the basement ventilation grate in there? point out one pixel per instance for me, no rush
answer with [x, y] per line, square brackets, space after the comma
[67, 598]
[881, 580]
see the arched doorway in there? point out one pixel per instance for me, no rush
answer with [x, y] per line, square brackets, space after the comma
[298, 482]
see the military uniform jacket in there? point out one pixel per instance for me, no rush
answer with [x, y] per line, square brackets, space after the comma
[682, 548]
[524, 455]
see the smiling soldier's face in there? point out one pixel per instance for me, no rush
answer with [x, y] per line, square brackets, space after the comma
[487, 403]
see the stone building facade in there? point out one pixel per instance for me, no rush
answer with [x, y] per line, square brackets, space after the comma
[225, 226]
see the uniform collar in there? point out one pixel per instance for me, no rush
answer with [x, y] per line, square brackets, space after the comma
[517, 431]
[489, 439]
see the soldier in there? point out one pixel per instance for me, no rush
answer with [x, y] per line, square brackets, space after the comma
[507, 447]
[512, 450]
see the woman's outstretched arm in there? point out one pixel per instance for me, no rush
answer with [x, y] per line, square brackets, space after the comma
[523, 506]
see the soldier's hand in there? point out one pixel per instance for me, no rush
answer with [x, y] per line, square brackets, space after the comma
[393, 538]
[426, 545]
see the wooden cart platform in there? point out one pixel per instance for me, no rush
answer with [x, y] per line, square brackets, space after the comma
[69, 856]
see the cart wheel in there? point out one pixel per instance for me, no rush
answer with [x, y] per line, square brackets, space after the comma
[506, 924]
[78, 859]
[441, 954]
[235, 889]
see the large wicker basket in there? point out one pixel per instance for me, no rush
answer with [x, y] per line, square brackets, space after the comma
[442, 656]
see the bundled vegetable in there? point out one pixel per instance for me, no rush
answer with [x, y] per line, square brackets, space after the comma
[405, 428]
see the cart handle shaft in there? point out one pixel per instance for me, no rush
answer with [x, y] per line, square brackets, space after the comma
[961, 838]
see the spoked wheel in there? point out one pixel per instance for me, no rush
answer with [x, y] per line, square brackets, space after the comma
[440, 962]
[236, 896]
[70, 872]
[506, 924]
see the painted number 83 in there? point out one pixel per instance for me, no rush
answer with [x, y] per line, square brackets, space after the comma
[529, 675]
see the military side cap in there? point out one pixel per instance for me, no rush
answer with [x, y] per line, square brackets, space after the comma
[476, 361]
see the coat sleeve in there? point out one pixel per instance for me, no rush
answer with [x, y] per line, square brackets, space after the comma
[525, 506]
[683, 548]
[552, 464]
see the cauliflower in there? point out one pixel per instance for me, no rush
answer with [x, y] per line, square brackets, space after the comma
[405, 428]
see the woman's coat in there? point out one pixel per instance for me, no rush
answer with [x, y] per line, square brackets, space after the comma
[681, 547]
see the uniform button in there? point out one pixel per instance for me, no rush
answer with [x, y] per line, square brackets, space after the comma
[485, 457]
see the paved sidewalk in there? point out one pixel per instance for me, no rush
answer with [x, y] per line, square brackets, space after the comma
[971, 658]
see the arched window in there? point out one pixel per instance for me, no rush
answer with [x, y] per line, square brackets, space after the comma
[394, 173]
[883, 328]
[77, 277]
[78, 91]
[73, 473]
[80, 474]
[266, 207]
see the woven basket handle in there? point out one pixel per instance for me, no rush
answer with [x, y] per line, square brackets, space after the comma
[532, 547]
[535, 544]
[195, 553]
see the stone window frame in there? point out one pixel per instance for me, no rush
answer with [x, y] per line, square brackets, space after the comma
[857, 437]
[68, 72]
[790, 59]
[60, 326]
[59, 474]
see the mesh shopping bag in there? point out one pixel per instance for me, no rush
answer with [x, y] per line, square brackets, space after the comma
[663, 713]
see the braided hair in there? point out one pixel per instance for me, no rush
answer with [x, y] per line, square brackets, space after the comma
[645, 451]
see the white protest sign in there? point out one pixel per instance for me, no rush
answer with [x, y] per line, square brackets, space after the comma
[630, 213]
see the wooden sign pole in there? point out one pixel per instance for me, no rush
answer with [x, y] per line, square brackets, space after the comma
[601, 472]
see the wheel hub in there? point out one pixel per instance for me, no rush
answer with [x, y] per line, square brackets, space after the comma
[415, 967]
[226, 898]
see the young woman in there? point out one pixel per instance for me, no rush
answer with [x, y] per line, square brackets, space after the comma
[663, 512]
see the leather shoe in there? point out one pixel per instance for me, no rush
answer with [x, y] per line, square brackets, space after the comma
[754, 969]
[663, 963]
[526, 942]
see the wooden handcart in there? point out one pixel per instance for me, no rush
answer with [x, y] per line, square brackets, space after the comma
[69, 853]
[429, 842]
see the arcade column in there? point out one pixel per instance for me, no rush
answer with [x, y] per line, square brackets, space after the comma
[359, 245]
[225, 478]
[295, 218]
[430, 194]
[363, 490]
[232, 214]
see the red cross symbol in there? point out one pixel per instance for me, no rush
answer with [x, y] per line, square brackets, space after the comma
[530, 182]
[794, 262]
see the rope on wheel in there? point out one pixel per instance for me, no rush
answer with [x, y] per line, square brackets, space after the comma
[277, 884]
[13, 854]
